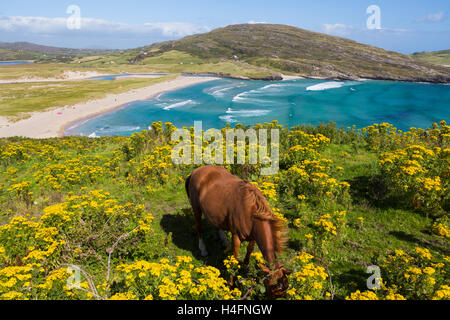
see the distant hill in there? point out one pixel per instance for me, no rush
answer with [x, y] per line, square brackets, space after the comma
[254, 51]
[286, 49]
[8, 55]
[31, 51]
[437, 57]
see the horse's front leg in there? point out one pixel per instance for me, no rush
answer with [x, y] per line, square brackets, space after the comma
[235, 249]
[236, 246]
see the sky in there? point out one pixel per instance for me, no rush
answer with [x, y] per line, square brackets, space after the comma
[405, 26]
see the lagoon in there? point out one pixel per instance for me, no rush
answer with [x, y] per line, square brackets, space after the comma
[8, 63]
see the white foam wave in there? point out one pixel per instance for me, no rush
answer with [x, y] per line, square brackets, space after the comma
[325, 86]
[249, 98]
[334, 85]
[253, 94]
[275, 85]
[179, 104]
[119, 128]
[228, 118]
[239, 97]
[220, 90]
[248, 113]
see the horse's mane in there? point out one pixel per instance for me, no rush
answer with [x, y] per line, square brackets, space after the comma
[254, 197]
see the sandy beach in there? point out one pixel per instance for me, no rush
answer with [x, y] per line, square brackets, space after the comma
[287, 77]
[52, 123]
[66, 76]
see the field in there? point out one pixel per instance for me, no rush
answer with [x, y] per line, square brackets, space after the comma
[18, 100]
[436, 57]
[57, 70]
[116, 209]
[179, 62]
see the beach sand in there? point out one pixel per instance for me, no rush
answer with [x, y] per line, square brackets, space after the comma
[66, 76]
[52, 123]
[290, 77]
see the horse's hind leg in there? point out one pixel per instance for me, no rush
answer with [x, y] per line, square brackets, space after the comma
[250, 247]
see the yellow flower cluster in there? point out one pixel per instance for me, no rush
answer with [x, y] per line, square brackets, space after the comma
[441, 229]
[166, 281]
[81, 170]
[418, 170]
[231, 263]
[308, 175]
[366, 295]
[37, 245]
[309, 282]
[415, 275]
[325, 225]
[443, 293]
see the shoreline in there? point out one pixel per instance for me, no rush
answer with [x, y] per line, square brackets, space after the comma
[30, 61]
[53, 123]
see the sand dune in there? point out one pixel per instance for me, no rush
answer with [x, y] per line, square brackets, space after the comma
[66, 76]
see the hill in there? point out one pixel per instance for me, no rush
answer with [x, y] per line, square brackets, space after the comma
[437, 57]
[11, 55]
[32, 51]
[287, 49]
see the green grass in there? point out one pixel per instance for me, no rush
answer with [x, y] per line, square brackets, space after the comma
[386, 227]
[56, 70]
[11, 55]
[174, 61]
[34, 70]
[435, 57]
[17, 99]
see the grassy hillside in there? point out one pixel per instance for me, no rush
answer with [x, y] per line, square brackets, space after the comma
[265, 51]
[31, 51]
[179, 62]
[436, 57]
[12, 55]
[57, 70]
[116, 208]
[259, 51]
[292, 50]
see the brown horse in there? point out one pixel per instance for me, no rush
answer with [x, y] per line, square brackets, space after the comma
[235, 205]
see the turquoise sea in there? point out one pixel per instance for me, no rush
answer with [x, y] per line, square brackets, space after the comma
[292, 102]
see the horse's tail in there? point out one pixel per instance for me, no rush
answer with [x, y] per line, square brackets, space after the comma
[186, 184]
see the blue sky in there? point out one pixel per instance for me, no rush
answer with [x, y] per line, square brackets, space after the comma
[406, 26]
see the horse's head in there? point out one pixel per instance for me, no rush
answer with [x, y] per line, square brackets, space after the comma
[276, 281]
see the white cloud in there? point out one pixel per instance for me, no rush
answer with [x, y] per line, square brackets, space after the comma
[432, 17]
[58, 26]
[256, 22]
[338, 29]
[176, 29]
